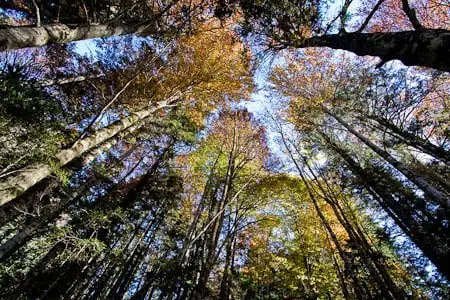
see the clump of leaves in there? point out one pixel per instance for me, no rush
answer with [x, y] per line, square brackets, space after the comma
[30, 121]
[25, 101]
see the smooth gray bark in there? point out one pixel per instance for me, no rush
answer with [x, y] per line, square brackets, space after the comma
[23, 179]
[50, 82]
[23, 37]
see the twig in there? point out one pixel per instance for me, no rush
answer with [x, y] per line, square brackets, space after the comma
[100, 114]
[2, 173]
[369, 17]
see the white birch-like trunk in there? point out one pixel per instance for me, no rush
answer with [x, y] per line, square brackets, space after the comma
[20, 238]
[23, 37]
[23, 179]
[50, 82]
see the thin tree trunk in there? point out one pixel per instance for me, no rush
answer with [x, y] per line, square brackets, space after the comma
[378, 273]
[344, 256]
[25, 178]
[24, 37]
[412, 140]
[432, 245]
[432, 192]
[427, 48]
[213, 237]
[50, 82]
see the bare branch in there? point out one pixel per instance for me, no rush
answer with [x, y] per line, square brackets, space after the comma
[369, 17]
[411, 13]
[38, 14]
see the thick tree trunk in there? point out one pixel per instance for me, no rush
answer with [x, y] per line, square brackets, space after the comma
[432, 192]
[427, 48]
[23, 37]
[20, 238]
[25, 178]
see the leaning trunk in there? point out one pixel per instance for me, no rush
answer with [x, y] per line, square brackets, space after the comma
[414, 141]
[432, 192]
[427, 48]
[432, 245]
[23, 37]
[51, 82]
[25, 178]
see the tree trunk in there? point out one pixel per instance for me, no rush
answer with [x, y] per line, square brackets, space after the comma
[376, 270]
[433, 246]
[433, 193]
[412, 140]
[25, 178]
[23, 37]
[50, 82]
[213, 236]
[330, 233]
[20, 238]
[427, 48]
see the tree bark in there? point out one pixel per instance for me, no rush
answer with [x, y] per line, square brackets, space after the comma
[432, 192]
[433, 246]
[23, 37]
[20, 238]
[427, 48]
[218, 207]
[376, 269]
[50, 82]
[414, 141]
[25, 178]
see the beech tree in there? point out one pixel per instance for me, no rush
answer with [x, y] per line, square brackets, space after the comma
[62, 22]
[312, 96]
[134, 166]
[301, 24]
[211, 69]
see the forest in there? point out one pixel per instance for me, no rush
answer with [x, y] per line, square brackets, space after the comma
[225, 149]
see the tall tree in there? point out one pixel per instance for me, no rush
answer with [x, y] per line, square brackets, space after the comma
[177, 87]
[302, 24]
[311, 97]
[76, 21]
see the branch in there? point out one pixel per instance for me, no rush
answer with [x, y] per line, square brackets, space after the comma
[369, 17]
[38, 14]
[343, 15]
[99, 115]
[411, 13]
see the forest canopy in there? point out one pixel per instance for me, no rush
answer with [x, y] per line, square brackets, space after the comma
[224, 149]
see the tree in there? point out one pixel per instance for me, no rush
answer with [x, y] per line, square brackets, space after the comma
[308, 97]
[300, 24]
[103, 19]
[179, 87]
